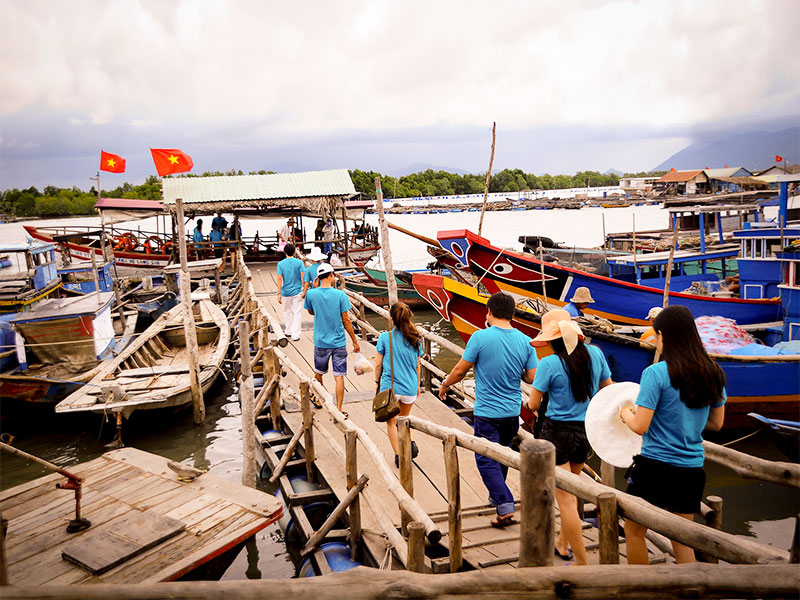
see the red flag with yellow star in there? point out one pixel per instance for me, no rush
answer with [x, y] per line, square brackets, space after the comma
[169, 161]
[111, 162]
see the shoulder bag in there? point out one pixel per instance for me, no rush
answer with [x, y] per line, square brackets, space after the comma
[385, 404]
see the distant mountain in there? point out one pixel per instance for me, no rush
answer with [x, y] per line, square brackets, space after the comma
[418, 167]
[754, 151]
[614, 172]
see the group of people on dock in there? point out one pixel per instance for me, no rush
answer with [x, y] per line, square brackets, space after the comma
[220, 232]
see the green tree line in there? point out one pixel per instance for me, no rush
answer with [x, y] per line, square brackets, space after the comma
[59, 202]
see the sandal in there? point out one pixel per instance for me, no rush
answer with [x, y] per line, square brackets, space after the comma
[414, 450]
[501, 523]
[568, 556]
[346, 416]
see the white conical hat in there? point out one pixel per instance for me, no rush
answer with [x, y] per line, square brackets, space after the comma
[609, 437]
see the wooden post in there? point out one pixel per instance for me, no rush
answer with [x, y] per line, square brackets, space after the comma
[537, 494]
[607, 474]
[351, 469]
[189, 327]
[218, 287]
[308, 427]
[406, 466]
[275, 398]
[794, 552]
[4, 557]
[416, 547]
[669, 265]
[391, 283]
[713, 519]
[247, 399]
[426, 373]
[346, 237]
[362, 315]
[319, 535]
[453, 502]
[488, 179]
[608, 528]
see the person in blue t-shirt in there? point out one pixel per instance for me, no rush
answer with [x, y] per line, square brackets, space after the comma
[310, 275]
[329, 307]
[501, 356]
[290, 283]
[216, 236]
[571, 376]
[221, 222]
[407, 345]
[678, 398]
[579, 302]
[198, 237]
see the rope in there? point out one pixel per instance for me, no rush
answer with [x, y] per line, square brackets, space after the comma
[751, 434]
[475, 285]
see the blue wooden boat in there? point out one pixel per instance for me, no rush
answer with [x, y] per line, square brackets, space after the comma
[785, 435]
[78, 278]
[619, 301]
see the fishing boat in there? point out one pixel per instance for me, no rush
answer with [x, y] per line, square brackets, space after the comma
[66, 341]
[153, 372]
[785, 435]
[616, 300]
[371, 283]
[79, 278]
[769, 385]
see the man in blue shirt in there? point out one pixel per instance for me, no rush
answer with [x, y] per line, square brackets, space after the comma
[198, 237]
[216, 236]
[502, 356]
[329, 307]
[290, 282]
[579, 302]
[220, 221]
[310, 276]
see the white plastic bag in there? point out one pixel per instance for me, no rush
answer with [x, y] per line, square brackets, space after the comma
[361, 364]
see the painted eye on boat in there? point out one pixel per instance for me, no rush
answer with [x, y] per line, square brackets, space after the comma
[502, 268]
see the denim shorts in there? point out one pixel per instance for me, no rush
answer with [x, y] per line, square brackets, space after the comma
[337, 355]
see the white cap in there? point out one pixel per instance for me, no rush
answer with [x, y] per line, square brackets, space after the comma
[653, 313]
[324, 269]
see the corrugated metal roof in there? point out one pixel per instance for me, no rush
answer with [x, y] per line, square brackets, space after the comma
[197, 190]
[679, 176]
[727, 172]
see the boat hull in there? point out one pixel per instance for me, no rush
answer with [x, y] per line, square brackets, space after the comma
[618, 301]
[766, 385]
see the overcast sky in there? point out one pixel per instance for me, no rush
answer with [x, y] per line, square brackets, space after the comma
[383, 85]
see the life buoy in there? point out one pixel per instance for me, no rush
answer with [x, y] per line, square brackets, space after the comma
[125, 242]
[152, 244]
[166, 248]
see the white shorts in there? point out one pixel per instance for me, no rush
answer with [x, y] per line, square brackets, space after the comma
[406, 399]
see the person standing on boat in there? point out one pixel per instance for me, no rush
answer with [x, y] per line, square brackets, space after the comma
[502, 356]
[579, 302]
[216, 236]
[329, 308]
[678, 398]
[290, 283]
[310, 275]
[220, 221]
[198, 238]
[571, 375]
[407, 349]
[649, 334]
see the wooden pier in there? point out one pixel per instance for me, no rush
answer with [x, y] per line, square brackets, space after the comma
[147, 526]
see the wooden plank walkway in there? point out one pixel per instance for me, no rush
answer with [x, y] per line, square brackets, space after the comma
[120, 485]
[484, 546]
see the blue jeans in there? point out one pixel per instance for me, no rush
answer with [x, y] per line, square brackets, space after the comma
[492, 472]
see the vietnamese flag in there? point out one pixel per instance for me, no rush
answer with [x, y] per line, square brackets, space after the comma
[778, 158]
[111, 162]
[171, 161]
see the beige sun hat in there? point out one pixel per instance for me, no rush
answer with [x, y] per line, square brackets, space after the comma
[558, 323]
[610, 438]
[582, 294]
[653, 312]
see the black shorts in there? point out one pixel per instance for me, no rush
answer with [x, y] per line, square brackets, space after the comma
[218, 252]
[569, 438]
[676, 489]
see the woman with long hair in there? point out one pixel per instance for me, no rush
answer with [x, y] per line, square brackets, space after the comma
[571, 376]
[678, 398]
[406, 342]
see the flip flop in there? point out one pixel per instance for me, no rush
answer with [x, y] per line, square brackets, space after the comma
[500, 523]
[567, 556]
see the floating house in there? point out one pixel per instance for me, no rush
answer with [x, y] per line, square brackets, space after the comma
[682, 182]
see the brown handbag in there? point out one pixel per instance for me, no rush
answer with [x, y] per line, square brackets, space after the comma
[385, 404]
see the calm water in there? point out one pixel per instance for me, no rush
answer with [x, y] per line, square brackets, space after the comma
[762, 510]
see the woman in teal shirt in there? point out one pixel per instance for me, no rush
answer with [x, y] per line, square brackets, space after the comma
[407, 346]
[571, 376]
[678, 398]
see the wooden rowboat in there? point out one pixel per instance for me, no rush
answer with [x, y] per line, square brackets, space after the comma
[153, 372]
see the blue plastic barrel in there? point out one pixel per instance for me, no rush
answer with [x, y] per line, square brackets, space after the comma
[338, 556]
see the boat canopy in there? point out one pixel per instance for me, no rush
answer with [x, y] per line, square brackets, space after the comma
[117, 210]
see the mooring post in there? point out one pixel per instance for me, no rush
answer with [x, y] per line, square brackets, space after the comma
[406, 466]
[537, 494]
[362, 315]
[794, 552]
[4, 558]
[453, 502]
[608, 528]
[426, 372]
[416, 547]
[247, 399]
[308, 427]
[189, 327]
[271, 360]
[713, 519]
[391, 283]
[351, 469]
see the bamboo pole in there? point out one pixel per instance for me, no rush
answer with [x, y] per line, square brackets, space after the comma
[669, 266]
[537, 466]
[422, 238]
[275, 398]
[351, 472]
[189, 328]
[725, 546]
[246, 398]
[320, 534]
[608, 528]
[453, 502]
[347, 261]
[488, 179]
[391, 284]
[308, 428]
[416, 547]
[287, 454]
